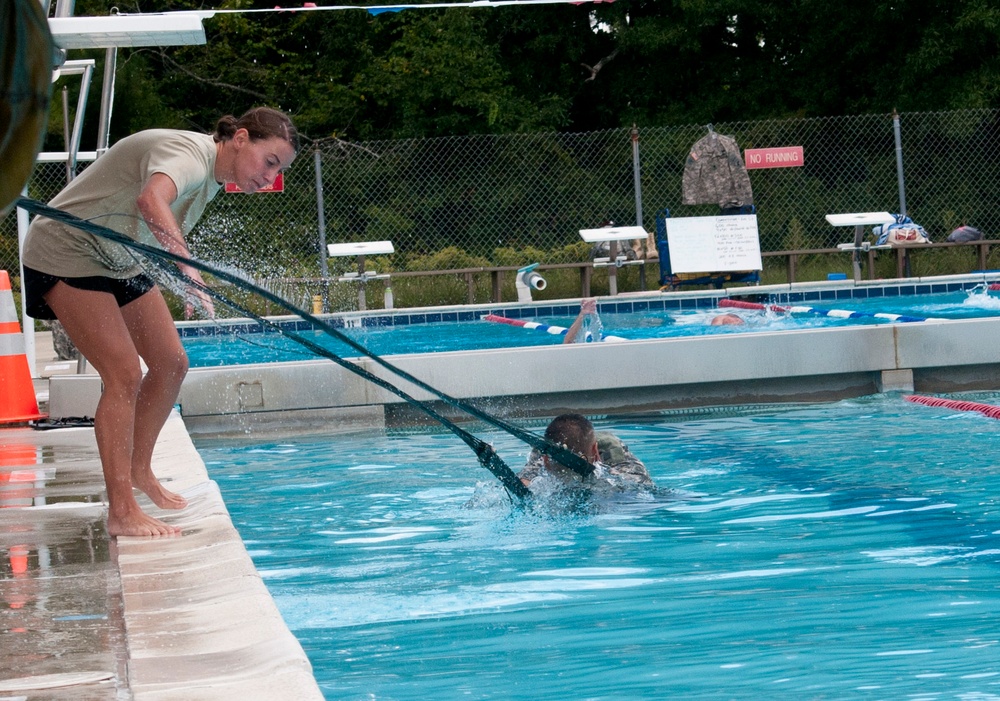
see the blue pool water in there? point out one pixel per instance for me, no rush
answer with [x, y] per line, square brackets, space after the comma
[847, 550]
[244, 348]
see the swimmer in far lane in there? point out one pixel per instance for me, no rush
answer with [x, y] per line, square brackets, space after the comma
[615, 463]
[727, 320]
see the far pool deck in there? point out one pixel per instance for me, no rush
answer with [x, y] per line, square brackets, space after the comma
[83, 616]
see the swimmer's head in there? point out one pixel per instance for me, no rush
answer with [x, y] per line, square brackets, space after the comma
[576, 433]
[727, 320]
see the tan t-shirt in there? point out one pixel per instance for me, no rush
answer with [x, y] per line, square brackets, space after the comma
[106, 193]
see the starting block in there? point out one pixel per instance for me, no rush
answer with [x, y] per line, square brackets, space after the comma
[614, 234]
[859, 220]
[362, 249]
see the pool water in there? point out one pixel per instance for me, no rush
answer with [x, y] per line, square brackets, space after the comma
[846, 550]
[968, 304]
[471, 335]
[245, 348]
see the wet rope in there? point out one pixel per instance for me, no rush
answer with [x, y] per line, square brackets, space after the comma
[487, 456]
[958, 405]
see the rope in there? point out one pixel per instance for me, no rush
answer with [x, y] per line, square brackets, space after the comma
[836, 313]
[536, 326]
[988, 409]
[483, 451]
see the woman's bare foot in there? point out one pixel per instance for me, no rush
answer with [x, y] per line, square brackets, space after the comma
[139, 523]
[147, 483]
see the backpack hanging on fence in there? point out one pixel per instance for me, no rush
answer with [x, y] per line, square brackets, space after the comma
[902, 231]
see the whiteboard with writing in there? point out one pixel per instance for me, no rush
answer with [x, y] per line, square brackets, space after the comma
[714, 244]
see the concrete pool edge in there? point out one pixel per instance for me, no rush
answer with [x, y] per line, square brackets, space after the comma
[171, 619]
[199, 620]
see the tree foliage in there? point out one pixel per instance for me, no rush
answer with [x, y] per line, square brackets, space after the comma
[436, 72]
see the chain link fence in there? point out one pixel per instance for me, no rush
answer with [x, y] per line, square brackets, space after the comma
[463, 203]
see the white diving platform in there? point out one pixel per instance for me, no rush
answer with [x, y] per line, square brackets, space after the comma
[859, 220]
[362, 249]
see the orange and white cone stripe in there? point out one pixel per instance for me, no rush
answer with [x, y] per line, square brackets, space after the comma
[17, 393]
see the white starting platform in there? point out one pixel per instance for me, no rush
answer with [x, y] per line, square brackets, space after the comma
[614, 234]
[859, 220]
[361, 250]
[364, 248]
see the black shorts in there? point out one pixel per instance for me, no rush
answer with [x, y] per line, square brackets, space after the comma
[37, 285]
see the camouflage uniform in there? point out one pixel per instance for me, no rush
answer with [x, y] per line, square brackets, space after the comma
[714, 173]
[615, 456]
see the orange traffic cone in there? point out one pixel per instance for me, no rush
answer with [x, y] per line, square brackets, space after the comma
[17, 394]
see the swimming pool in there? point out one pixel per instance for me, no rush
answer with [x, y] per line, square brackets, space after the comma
[844, 550]
[772, 358]
[428, 332]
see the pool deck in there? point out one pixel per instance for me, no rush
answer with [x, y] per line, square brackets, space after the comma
[84, 616]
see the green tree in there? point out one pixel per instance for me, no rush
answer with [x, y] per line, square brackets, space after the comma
[439, 75]
[435, 72]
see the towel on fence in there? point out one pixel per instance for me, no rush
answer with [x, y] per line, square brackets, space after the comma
[902, 231]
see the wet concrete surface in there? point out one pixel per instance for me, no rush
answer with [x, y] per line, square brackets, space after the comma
[84, 616]
[61, 624]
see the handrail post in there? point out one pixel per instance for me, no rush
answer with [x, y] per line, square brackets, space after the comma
[470, 287]
[497, 288]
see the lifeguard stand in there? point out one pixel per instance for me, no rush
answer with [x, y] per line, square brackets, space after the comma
[707, 249]
[614, 234]
[366, 248]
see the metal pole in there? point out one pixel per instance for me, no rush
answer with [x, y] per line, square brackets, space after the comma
[859, 234]
[324, 270]
[637, 186]
[107, 100]
[899, 163]
[81, 104]
[66, 136]
[28, 324]
[362, 302]
[612, 268]
[900, 178]
[636, 179]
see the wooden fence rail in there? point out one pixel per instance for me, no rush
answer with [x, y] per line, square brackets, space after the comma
[903, 256]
